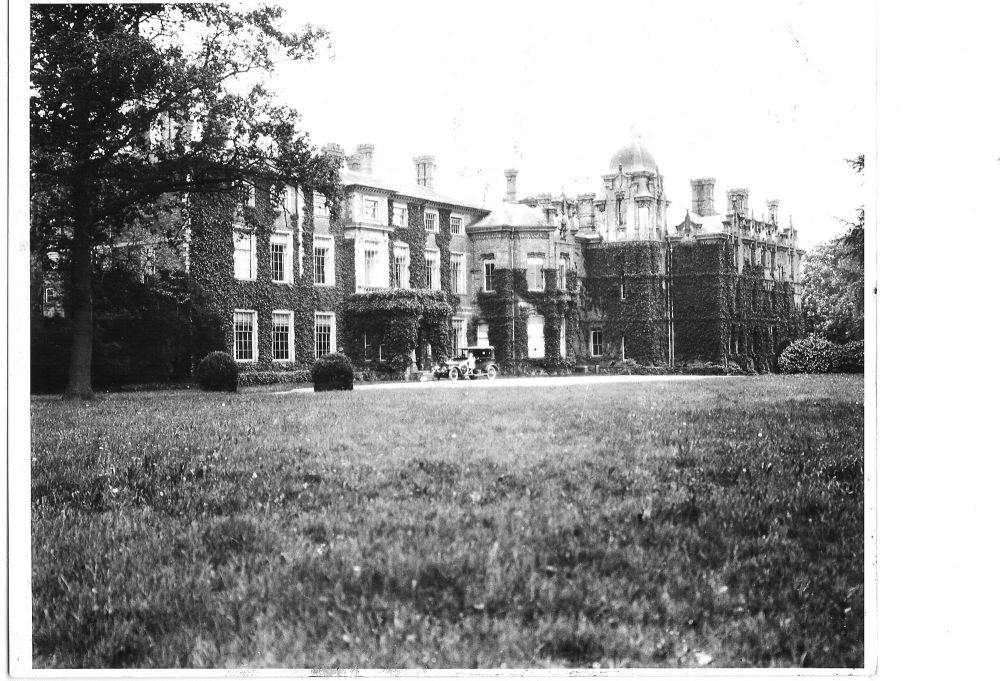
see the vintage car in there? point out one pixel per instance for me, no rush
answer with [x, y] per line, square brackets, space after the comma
[469, 363]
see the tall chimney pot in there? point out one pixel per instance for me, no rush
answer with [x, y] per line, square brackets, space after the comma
[365, 153]
[511, 175]
[424, 166]
[703, 196]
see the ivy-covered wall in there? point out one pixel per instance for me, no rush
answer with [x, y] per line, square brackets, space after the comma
[212, 267]
[507, 318]
[640, 315]
[722, 315]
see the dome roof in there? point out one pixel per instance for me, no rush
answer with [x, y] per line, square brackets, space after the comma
[633, 158]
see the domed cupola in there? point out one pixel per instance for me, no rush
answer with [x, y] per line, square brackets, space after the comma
[632, 158]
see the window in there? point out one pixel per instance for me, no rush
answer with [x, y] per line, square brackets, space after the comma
[373, 350]
[596, 342]
[623, 285]
[458, 273]
[623, 348]
[282, 343]
[457, 335]
[280, 258]
[433, 270]
[536, 278]
[456, 225]
[483, 334]
[325, 333]
[401, 265]
[50, 295]
[536, 336]
[562, 338]
[323, 261]
[621, 212]
[371, 263]
[244, 256]
[430, 222]
[488, 269]
[290, 195]
[399, 216]
[561, 284]
[371, 210]
[244, 335]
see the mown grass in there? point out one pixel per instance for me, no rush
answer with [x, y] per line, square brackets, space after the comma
[666, 524]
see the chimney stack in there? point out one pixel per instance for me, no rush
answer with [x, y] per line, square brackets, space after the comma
[364, 154]
[354, 163]
[511, 176]
[703, 196]
[772, 211]
[738, 200]
[424, 166]
[334, 150]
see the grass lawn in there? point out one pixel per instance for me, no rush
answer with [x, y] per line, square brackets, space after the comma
[713, 523]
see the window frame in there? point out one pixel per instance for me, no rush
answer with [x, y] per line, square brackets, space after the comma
[433, 214]
[451, 224]
[370, 246]
[284, 239]
[432, 256]
[458, 284]
[489, 270]
[599, 332]
[333, 331]
[291, 335]
[401, 251]
[365, 203]
[541, 273]
[254, 341]
[400, 215]
[325, 243]
[238, 237]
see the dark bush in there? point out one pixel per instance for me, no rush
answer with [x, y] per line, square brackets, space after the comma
[218, 372]
[810, 355]
[333, 372]
[849, 358]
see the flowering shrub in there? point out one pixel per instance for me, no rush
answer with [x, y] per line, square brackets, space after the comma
[810, 355]
[218, 372]
[333, 372]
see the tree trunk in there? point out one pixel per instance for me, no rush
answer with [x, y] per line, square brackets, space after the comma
[81, 301]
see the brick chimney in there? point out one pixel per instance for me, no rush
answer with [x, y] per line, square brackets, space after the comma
[511, 176]
[334, 150]
[772, 211]
[738, 201]
[354, 163]
[365, 153]
[424, 166]
[703, 196]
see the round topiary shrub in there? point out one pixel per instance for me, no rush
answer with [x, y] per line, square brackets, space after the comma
[333, 372]
[809, 355]
[218, 372]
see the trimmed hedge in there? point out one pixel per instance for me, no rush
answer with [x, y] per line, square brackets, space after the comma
[333, 372]
[248, 378]
[218, 372]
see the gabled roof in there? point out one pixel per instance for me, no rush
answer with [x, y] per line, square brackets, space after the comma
[353, 178]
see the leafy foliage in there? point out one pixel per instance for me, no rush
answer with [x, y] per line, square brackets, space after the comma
[849, 358]
[333, 372]
[833, 293]
[218, 372]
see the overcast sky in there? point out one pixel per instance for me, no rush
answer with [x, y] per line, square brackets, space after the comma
[768, 95]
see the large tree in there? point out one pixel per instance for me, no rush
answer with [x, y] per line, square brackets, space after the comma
[136, 107]
[833, 280]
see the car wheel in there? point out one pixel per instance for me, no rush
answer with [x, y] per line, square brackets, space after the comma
[492, 372]
[453, 373]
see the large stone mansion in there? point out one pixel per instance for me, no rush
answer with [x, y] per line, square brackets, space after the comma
[595, 278]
